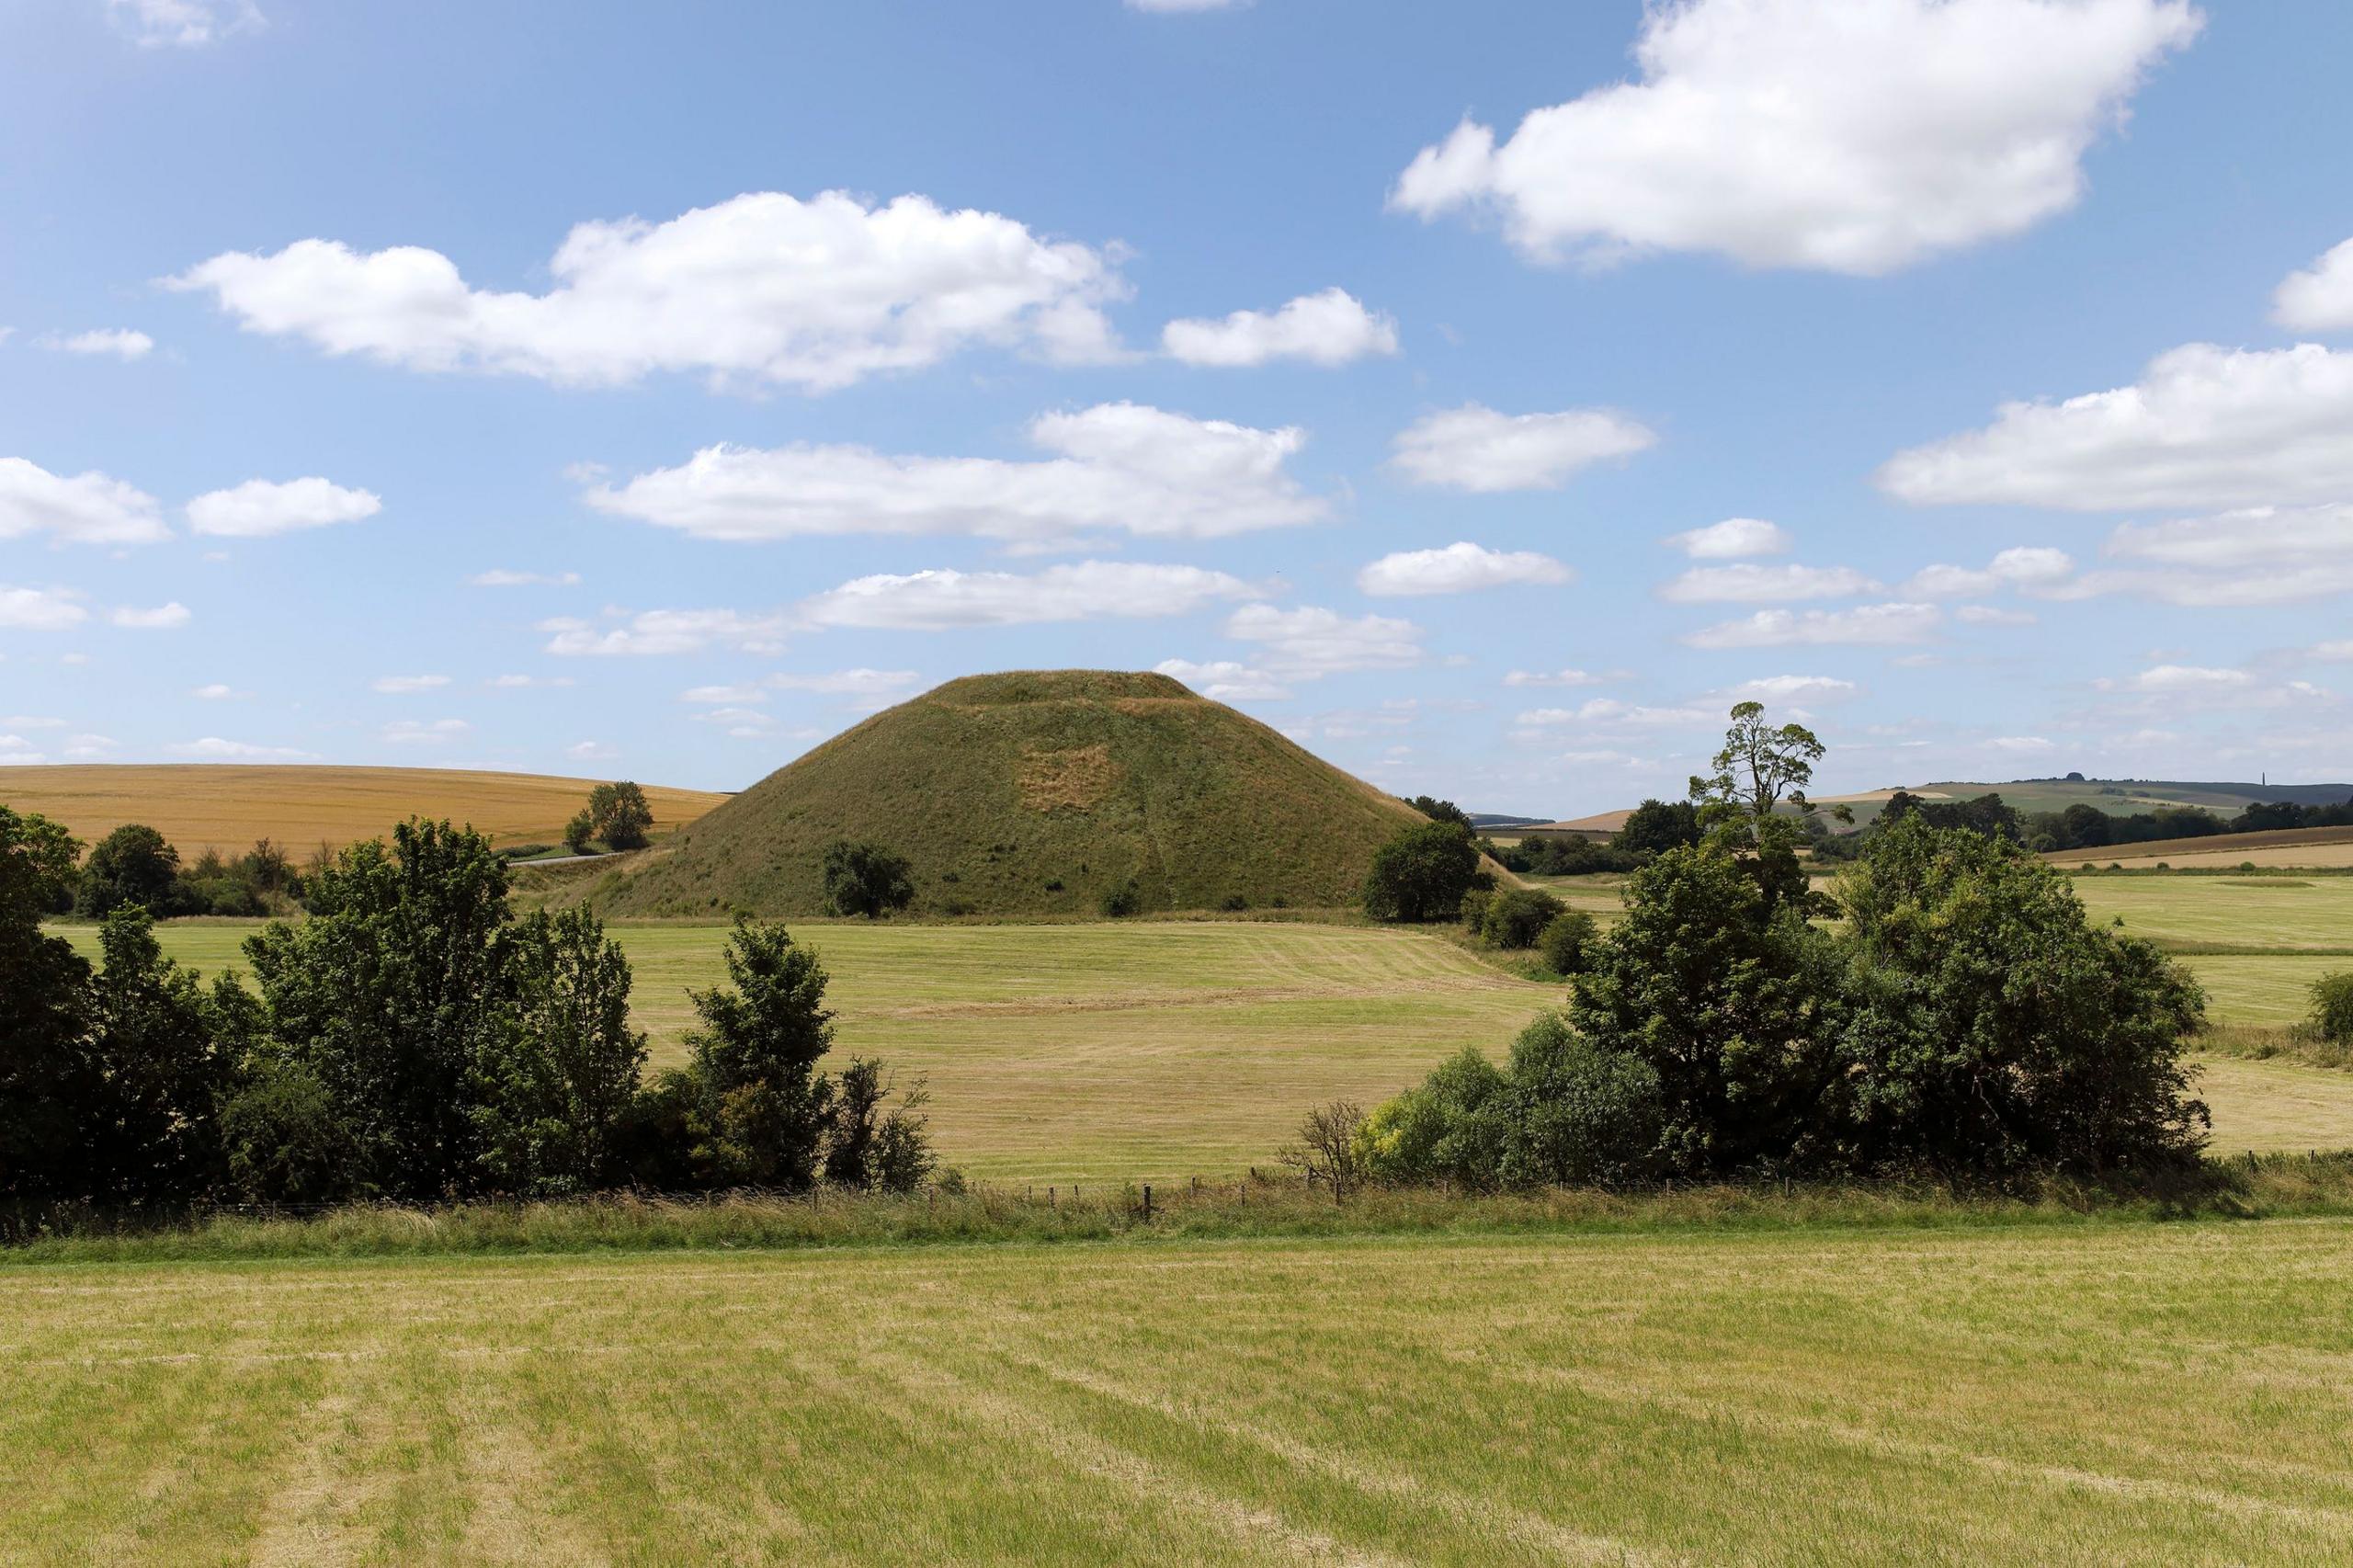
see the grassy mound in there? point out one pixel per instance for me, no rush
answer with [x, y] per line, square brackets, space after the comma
[1037, 793]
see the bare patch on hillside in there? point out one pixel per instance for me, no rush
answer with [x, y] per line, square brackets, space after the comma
[1076, 778]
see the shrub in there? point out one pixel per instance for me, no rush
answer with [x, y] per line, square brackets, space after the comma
[1422, 873]
[620, 815]
[1515, 917]
[283, 1138]
[2332, 1008]
[763, 1105]
[1122, 900]
[130, 865]
[1567, 941]
[1234, 904]
[872, 1149]
[864, 880]
[1473, 910]
[1578, 1114]
[1450, 1128]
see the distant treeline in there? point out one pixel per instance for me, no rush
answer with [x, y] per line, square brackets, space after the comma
[412, 1038]
[2085, 826]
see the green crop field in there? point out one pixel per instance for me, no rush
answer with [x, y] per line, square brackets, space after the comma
[2270, 912]
[1160, 1049]
[2079, 1393]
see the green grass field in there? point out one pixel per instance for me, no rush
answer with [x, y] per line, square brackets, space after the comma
[2078, 1393]
[1160, 1049]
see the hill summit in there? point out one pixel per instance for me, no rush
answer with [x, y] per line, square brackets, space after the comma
[1037, 792]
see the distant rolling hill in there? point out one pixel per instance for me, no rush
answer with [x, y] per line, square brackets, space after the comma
[2117, 797]
[227, 806]
[1035, 793]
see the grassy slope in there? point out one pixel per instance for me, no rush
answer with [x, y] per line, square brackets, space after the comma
[2317, 846]
[1161, 1050]
[1010, 781]
[228, 806]
[2089, 1394]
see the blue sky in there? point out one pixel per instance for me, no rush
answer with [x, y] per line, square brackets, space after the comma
[651, 392]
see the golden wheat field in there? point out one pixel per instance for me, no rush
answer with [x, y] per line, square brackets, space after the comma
[227, 806]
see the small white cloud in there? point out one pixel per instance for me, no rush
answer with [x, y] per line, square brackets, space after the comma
[1868, 625]
[87, 508]
[2021, 743]
[2319, 299]
[1732, 538]
[41, 609]
[216, 691]
[416, 733]
[590, 751]
[1223, 680]
[1092, 590]
[527, 683]
[212, 748]
[120, 342]
[1478, 449]
[1329, 328]
[499, 578]
[737, 694]
[163, 618]
[259, 507]
[866, 690]
[1992, 615]
[2342, 648]
[1794, 688]
[91, 748]
[404, 686]
[30, 722]
[2179, 679]
[1553, 677]
[1459, 568]
[660, 632]
[182, 24]
[1608, 711]
[1309, 642]
[1748, 582]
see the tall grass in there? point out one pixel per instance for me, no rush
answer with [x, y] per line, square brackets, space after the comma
[2265, 1187]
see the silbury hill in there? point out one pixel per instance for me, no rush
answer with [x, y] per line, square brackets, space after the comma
[1035, 793]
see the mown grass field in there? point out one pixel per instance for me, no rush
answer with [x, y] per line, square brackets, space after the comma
[226, 806]
[1163, 1050]
[2072, 1393]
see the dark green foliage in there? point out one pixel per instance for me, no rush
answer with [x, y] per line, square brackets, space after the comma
[1655, 827]
[620, 815]
[552, 1081]
[1993, 1029]
[1729, 996]
[1567, 941]
[1986, 814]
[1442, 811]
[579, 831]
[864, 880]
[1515, 917]
[764, 1107]
[387, 993]
[1563, 854]
[47, 1075]
[1563, 1111]
[130, 865]
[1422, 873]
[868, 1147]
[1759, 767]
[284, 1139]
[2332, 1008]
[1122, 900]
[151, 1128]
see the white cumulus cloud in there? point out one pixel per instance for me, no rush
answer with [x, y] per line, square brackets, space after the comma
[213, 749]
[1117, 466]
[260, 507]
[2319, 299]
[163, 618]
[123, 343]
[1091, 590]
[1458, 568]
[1732, 538]
[405, 686]
[83, 508]
[1329, 328]
[1225, 680]
[41, 609]
[2204, 427]
[763, 288]
[1858, 136]
[1868, 625]
[654, 632]
[1476, 449]
[1303, 643]
[1751, 584]
[181, 24]
[418, 733]
[500, 577]
[2261, 555]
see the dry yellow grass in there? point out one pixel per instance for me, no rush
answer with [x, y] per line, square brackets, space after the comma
[227, 806]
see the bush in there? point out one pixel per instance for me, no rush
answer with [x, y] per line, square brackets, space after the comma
[864, 880]
[1515, 917]
[1234, 904]
[1473, 910]
[1422, 873]
[620, 815]
[1449, 1129]
[762, 1105]
[130, 865]
[1567, 941]
[1122, 900]
[1579, 1115]
[2332, 1008]
[283, 1138]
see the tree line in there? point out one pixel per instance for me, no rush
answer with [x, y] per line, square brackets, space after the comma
[1964, 1016]
[410, 1038]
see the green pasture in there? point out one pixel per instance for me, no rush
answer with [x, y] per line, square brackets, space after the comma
[1992, 1395]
